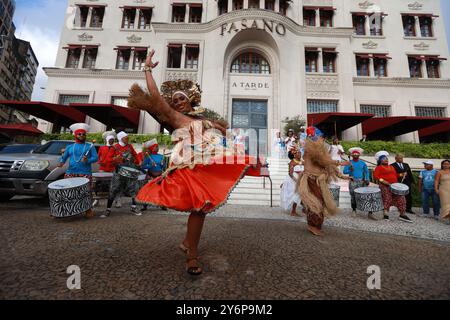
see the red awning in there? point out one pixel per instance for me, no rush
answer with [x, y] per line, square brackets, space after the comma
[334, 122]
[443, 127]
[109, 114]
[55, 113]
[20, 129]
[396, 126]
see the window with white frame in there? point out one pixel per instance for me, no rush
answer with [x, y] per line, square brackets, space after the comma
[434, 112]
[66, 99]
[380, 111]
[322, 106]
[119, 101]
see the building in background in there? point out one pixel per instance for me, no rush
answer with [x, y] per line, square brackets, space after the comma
[351, 67]
[18, 66]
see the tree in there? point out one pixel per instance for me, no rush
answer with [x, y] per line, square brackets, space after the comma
[294, 123]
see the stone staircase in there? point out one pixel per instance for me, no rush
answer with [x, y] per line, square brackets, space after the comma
[252, 191]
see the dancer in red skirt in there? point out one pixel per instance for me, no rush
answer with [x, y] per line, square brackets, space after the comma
[202, 172]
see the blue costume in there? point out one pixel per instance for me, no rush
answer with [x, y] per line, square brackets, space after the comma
[75, 153]
[153, 162]
[360, 175]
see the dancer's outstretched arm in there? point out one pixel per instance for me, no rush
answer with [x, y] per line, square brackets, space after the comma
[154, 103]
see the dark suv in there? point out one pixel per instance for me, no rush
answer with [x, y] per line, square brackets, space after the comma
[31, 173]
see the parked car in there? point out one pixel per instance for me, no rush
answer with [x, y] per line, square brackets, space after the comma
[17, 148]
[31, 173]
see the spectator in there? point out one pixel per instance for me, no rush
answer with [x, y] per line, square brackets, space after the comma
[426, 188]
[364, 138]
[302, 135]
[406, 177]
[290, 140]
[336, 150]
[442, 188]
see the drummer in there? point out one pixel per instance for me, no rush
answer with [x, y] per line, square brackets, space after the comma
[386, 175]
[152, 161]
[81, 156]
[107, 165]
[122, 154]
[359, 176]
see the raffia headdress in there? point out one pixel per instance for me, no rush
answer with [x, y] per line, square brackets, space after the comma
[190, 88]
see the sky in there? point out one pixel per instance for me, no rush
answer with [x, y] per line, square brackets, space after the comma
[41, 21]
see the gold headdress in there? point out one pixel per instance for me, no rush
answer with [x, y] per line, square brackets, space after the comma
[190, 88]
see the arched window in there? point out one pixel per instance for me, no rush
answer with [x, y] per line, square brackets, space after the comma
[250, 62]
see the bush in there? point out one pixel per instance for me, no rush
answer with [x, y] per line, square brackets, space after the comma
[163, 139]
[410, 150]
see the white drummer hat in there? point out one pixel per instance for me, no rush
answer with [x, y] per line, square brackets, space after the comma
[79, 126]
[379, 154]
[150, 143]
[356, 150]
[106, 135]
[429, 162]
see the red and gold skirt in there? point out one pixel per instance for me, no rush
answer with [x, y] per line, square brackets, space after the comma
[203, 188]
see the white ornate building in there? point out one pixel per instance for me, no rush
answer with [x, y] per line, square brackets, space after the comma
[260, 61]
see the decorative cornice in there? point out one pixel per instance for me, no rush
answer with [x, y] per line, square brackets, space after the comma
[94, 73]
[370, 45]
[366, 5]
[415, 6]
[134, 39]
[251, 14]
[85, 37]
[422, 46]
[402, 82]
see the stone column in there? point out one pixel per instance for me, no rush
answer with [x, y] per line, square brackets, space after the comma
[136, 19]
[417, 26]
[245, 4]
[423, 66]
[320, 60]
[89, 18]
[317, 18]
[186, 15]
[183, 57]
[230, 5]
[131, 62]
[277, 5]
[80, 63]
[262, 4]
[367, 25]
[371, 67]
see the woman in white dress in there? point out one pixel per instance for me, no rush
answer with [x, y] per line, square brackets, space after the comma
[290, 199]
[278, 147]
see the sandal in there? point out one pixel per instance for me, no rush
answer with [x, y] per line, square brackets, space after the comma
[193, 267]
[183, 248]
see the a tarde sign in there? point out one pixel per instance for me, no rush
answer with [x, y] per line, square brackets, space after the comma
[245, 85]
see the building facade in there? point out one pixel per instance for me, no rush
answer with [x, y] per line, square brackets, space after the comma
[260, 61]
[18, 66]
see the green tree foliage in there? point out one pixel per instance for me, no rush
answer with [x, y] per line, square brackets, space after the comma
[294, 123]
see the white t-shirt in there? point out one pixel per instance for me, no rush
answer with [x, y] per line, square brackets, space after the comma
[335, 149]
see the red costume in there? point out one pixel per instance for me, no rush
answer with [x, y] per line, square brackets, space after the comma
[389, 174]
[106, 165]
[117, 150]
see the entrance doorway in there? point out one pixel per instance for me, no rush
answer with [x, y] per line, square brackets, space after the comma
[250, 116]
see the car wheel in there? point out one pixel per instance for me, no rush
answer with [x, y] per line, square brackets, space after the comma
[5, 197]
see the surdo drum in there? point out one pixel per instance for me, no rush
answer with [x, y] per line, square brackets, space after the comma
[368, 199]
[399, 189]
[129, 173]
[335, 191]
[69, 197]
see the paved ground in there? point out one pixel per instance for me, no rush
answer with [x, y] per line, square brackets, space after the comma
[128, 257]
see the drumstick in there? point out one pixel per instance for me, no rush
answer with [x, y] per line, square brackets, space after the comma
[92, 145]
